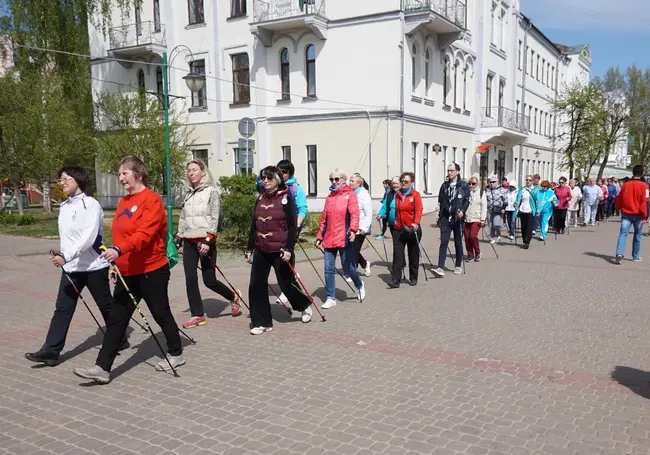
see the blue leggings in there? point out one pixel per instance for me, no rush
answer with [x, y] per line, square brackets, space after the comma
[544, 219]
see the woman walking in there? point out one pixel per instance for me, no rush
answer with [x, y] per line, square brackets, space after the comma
[526, 208]
[197, 230]
[408, 215]
[563, 195]
[546, 202]
[474, 219]
[365, 220]
[339, 224]
[270, 244]
[510, 209]
[81, 225]
[574, 203]
[139, 230]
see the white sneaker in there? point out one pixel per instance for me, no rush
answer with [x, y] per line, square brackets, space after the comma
[361, 292]
[492, 241]
[367, 269]
[306, 315]
[96, 373]
[534, 232]
[329, 303]
[348, 279]
[511, 237]
[282, 299]
[439, 272]
[458, 271]
[175, 360]
[260, 330]
[639, 259]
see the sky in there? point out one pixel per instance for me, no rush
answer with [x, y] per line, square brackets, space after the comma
[617, 31]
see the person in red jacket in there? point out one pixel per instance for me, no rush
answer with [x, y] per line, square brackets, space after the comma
[632, 202]
[139, 230]
[408, 215]
[563, 195]
[339, 224]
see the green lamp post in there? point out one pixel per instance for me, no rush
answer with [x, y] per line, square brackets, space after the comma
[194, 83]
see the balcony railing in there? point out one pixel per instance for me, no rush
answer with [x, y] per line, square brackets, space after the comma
[452, 10]
[138, 34]
[505, 118]
[273, 10]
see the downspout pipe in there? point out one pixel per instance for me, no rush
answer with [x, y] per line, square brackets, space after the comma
[401, 92]
[369, 152]
[560, 59]
[523, 88]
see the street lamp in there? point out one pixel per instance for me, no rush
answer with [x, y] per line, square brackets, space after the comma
[195, 83]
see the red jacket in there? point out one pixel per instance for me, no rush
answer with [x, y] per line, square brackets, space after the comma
[408, 210]
[563, 195]
[340, 216]
[139, 229]
[632, 200]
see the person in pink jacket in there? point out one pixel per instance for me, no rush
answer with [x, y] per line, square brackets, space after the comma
[563, 194]
[339, 224]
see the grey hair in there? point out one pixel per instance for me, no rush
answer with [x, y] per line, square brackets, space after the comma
[340, 172]
[356, 175]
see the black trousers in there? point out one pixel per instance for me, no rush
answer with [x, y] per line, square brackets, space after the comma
[258, 288]
[400, 242]
[66, 303]
[384, 225]
[446, 228]
[526, 220]
[191, 259]
[560, 219]
[152, 288]
[358, 243]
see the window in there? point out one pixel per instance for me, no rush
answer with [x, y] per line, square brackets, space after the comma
[138, 19]
[159, 81]
[545, 123]
[537, 69]
[501, 166]
[552, 77]
[493, 23]
[526, 60]
[195, 10]
[310, 54]
[237, 8]
[200, 154]
[530, 118]
[484, 169]
[285, 74]
[532, 62]
[427, 63]
[156, 16]
[414, 53]
[465, 88]
[502, 28]
[518, 107]
[488, 95]
[543, 66]
[414, 158]
[244, 162]
[444, 162]
[521, 45]
[286, 152]
[240, 79]
[445, 81]
[312, 171]
[535, 122]
[550, 125]
[425, 167]
[141, 83]
[199, 98]
[456, 88]
[502, 86]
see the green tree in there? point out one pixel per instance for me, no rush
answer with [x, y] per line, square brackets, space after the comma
[576, 110]
[238, 196]
[131, 123]
[638, 100]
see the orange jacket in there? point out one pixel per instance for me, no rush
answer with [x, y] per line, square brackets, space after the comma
[408, 210]
[139, 229]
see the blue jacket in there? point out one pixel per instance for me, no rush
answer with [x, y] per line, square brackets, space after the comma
[296, 191]
[390, 211]
[611, 192]
[546, 200]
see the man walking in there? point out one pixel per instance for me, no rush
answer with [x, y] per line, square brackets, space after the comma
[453, 199]
[497, 200]
[632, 202]
[592, 194]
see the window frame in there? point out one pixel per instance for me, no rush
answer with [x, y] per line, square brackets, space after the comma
[312, 187]
[207, 155]
[286, 152]
[241, 91]
[425, 167]
[488, 95]
[310, 71]
[199, 99]
[241, 6]
[199, 12]
[414, 52]
[157, 26]
[238, 165]
[445, 82]
[285, 74]
[427, 75]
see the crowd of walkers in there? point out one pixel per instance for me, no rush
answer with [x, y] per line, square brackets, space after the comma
[139, 262]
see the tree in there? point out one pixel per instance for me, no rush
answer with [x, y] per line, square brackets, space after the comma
[638, 99]
[131, 123]
[575, 110]
[36, 128]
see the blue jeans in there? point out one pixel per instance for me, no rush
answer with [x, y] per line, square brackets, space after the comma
[627, 221]
[349, 267]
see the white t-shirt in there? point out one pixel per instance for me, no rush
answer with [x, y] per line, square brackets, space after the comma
[524, 203]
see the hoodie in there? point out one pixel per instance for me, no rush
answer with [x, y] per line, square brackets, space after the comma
[511, 196]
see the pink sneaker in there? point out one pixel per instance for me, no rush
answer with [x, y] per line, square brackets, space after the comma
[235, 305]
[195, 321]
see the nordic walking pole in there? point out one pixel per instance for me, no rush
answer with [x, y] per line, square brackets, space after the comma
[217, 268]
[462, 242]
[339, 272]
[311, 299]
[312, 264]
[424, 269]
[376, 251]
[492, 245]
[279, 299]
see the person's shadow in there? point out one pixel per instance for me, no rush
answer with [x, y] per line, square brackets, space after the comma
[638, 381]
[605, 257]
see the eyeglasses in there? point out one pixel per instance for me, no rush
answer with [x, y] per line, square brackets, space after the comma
[335, 179]
[529, 180]
[472, 183]
[270, 178]
[406, 181]
[62, 181]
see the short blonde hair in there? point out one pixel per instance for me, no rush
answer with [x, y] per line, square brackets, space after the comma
[340, 173]
[135, 165]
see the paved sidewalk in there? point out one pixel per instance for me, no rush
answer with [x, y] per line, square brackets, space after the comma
[543, 351]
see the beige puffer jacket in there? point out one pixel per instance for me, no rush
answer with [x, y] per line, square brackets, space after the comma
[477, 210]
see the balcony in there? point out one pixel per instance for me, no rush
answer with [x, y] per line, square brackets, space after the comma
[502, 126]
[271, 17]
[444, 18]
[143, 39]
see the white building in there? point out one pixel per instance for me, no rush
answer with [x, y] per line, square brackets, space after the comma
[371, 86]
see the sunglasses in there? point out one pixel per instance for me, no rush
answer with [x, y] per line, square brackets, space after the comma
[472, 184]
[406, 181]
[335, 179]
[270, 178]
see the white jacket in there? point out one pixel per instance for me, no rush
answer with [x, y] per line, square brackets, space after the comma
[576, 195]
[365, 210]
[81, 227]
[477, 209]
[512, 197]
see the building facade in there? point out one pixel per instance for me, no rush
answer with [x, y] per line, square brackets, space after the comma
[377, 87]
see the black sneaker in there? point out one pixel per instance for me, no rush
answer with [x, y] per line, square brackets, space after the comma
[48, 358]
[470, 257]
[125, 345]
[394, 284]
[413, 282]
[477, 258]
[526, 246]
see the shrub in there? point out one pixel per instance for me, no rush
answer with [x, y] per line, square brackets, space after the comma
[312, 223]
[17, 220]
[238, 196]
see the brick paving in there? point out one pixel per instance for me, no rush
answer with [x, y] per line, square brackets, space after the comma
[542, 351]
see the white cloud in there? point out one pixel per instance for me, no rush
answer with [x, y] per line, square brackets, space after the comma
[589, 14]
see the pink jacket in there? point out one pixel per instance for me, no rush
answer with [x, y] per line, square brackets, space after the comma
[563, 194]
[340, 216]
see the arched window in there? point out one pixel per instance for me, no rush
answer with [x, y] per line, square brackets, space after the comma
[456, 88]
[445, 81]
[285, 74]
[427, 79]
[414, 53]
[310, 58]
[141, 84]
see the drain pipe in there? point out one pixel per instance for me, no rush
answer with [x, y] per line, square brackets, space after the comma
[387, 144]
[369, 153]
[523, 88]
[401, 92]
